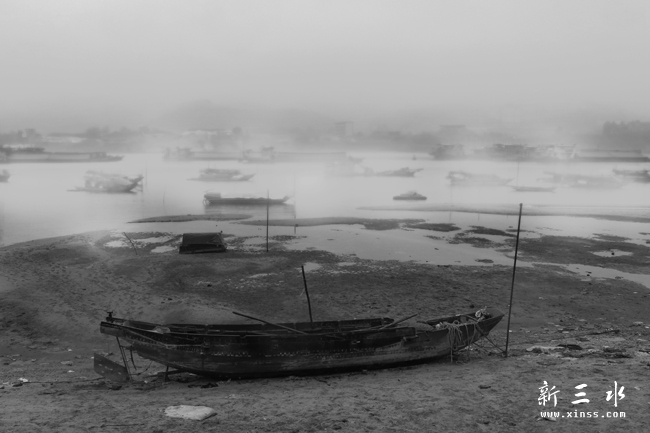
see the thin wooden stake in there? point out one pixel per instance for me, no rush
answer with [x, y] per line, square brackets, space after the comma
[512, 287]
[267, 220]
[126, 364]
[307, 293]
[132, 244]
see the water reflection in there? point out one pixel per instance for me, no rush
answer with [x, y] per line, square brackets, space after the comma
[275, 211]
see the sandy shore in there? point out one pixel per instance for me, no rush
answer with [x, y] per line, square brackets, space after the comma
[55, 292]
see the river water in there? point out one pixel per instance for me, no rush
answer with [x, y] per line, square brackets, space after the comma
[37, 201]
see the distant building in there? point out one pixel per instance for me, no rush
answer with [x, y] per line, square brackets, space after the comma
[454, 133]
[344, 129]
[453, 129]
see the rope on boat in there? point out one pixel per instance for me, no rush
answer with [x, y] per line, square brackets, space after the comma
[480, 315]
[456, 333]
[455, 336]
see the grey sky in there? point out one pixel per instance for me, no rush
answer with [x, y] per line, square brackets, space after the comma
[363, 54]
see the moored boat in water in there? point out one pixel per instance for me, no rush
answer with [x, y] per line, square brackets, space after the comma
[269, 154]
[464, 178]
[642, 176]
[410, 195]
[98, 181]
[38, 154]
[222, 175]
[402, 172]
[585, 181]
[214, 198]
[187, 154]
[251, 351]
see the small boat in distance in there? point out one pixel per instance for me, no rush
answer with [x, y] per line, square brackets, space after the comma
[214, 198]
[16, 154]
[4, 175]
[187, 154]
[402, 172]
[633, 175]
[464, 178]
[98, 181]
[268, 349]
[222, 175]
[533, 188]
[410, 195]
[585, 181]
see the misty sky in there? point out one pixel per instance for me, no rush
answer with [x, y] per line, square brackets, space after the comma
[150, 55]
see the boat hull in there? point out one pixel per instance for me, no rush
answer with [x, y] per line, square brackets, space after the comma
[251, 355]
[243, 200]
[415, 198]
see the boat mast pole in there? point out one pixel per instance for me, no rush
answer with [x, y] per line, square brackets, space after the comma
[512, 287]
[267, 220]
[311, 320]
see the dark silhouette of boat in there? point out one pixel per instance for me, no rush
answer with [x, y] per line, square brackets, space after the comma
[410, 195]
[214, 198]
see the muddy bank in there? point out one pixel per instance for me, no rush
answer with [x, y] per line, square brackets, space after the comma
[55, 292]
[630, 214]
[190, 217]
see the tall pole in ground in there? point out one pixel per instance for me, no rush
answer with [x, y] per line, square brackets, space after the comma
[267, 220]
[311, 320]
[512, 287]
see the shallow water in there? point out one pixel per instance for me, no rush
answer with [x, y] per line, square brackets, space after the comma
[36, 202]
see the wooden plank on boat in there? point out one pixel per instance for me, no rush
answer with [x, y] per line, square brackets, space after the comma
[111, 370]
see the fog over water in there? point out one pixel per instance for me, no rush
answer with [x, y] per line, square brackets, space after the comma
[39, 200]
[133, 77]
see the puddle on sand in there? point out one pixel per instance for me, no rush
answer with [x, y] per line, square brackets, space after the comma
[605, 273]
[163, 249]
[309, 266]
[612, 253]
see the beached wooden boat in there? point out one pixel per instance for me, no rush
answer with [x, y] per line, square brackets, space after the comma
[264, 350]
[214, 198]
[410, 195]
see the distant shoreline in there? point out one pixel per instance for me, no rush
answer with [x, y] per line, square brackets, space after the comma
[630, 214]
[639, 214]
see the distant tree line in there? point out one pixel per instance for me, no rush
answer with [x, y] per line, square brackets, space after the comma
[626, 134]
